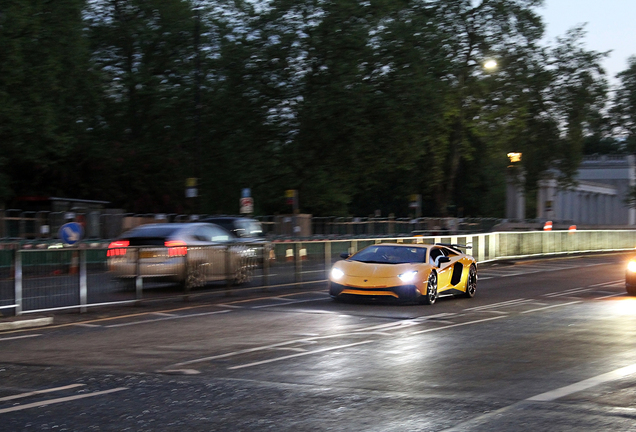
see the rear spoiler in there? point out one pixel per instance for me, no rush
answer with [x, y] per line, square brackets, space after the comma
[454, 246]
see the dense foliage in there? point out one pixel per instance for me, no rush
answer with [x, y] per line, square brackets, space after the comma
[356, 104]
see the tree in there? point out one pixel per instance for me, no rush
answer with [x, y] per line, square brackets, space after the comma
[48, 104]
[506, 30]
[145, 53]
[624, 106]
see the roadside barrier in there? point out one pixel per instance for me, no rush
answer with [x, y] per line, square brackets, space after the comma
[39, 279]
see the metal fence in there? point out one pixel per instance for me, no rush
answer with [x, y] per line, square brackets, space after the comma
[39, 280]
[102, 224]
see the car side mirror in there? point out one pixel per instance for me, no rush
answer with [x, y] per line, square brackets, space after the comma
[442, 260]
[344, 255]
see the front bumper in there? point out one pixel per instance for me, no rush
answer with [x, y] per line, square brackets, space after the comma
[400, 292]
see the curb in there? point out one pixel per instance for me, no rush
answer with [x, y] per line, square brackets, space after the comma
[13, 325]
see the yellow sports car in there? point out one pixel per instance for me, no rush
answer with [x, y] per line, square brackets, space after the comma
[411, 272]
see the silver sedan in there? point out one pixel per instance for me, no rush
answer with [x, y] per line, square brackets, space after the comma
[189, 253]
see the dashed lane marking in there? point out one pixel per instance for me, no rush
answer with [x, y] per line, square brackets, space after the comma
[268, 297]
[585, 384]
[568, 292]
[60, 400]
[609, 296]
[550, 396]
[288, 302]
[118, 317]
[20, 337]
[551, 307]
[172, 317]
[457, 325]
[269, 347]
[498, 305]
[299, 355]
[37, 392]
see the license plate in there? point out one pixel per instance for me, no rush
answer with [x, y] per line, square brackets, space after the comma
[146, 254]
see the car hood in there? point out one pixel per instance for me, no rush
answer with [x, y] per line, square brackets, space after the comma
[357, 268]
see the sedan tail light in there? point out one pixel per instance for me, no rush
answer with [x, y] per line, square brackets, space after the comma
[177, 248]
[117, 248]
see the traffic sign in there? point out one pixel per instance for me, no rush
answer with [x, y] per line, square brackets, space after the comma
[70, 233]
[247, 205]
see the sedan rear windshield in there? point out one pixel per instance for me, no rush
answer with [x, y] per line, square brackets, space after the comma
[391, 255]
[150, 236]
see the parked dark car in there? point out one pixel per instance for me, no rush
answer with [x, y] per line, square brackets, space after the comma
[241, 227]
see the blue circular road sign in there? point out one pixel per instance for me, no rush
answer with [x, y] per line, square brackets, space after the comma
[70, 233]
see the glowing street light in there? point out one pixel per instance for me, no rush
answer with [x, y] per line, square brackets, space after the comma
[490, 64]
[514, 157]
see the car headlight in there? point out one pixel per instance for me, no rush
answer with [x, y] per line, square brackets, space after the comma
[336, 273]
[632, 266]
[408, 276]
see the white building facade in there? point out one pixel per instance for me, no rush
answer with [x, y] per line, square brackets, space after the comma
[599, 198]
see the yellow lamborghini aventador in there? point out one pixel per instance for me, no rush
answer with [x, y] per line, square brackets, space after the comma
[411, 272]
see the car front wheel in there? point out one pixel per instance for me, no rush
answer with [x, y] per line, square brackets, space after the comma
[431, 289]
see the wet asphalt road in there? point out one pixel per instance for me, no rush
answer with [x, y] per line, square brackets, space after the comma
[545, 345]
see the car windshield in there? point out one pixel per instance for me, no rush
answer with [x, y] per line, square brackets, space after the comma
[248, 228]
[238, 226]
[390, 255]
[162, 231]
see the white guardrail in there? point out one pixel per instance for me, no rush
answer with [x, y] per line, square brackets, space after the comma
[496, 246]
[42, 279]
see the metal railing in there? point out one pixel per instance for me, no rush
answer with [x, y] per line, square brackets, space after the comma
[16, 224]
[38, 280]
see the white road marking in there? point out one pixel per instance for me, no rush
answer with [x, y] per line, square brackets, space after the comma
[291, 349]
[59, 400]
[408, 323]
[457, 325]
[543, 397]
[389, 326]
[167, 318]
[37, 392]
[607, 283]
[608, 296]
[180, 371]
[585, 384]
[289, 302]
[498, 305]
[87, 325]
[492, 312]
[20, 337]
[299, 355]
[269, 297]
[568, 292]
[553, 306]
[269, 347]
[517, 274]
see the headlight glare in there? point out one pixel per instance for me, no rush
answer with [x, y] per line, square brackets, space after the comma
[408, 276]
[632, 266]
[336, 273]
